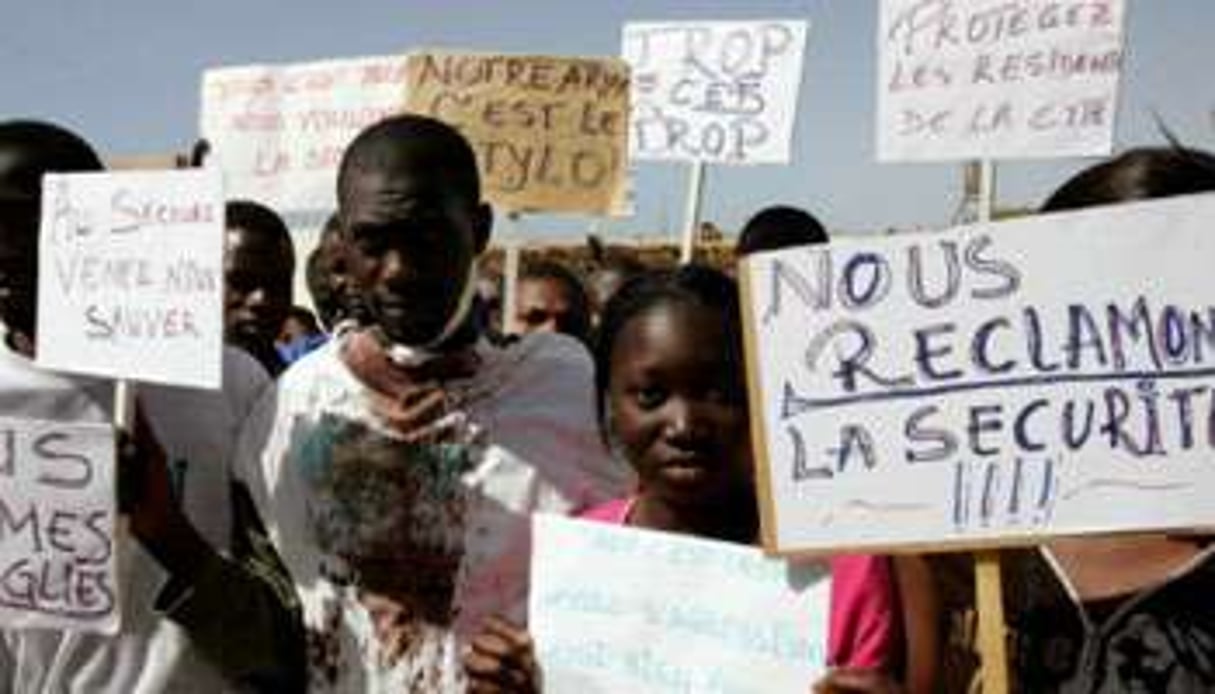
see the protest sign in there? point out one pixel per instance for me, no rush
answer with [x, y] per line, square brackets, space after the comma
[996, 383]
[720, 92]
[130, 281]
[278, 131]
[975, 79]
[549, 133]
[57, 564]
[617, 609]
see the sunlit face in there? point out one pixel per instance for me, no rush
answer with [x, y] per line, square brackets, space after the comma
[257, 286]
[677, 407]
[339, 298]
[411, 243]
[544, 305]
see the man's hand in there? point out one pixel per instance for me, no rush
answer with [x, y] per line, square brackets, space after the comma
[414, 401]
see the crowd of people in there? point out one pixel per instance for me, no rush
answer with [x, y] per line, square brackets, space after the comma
[350, 512]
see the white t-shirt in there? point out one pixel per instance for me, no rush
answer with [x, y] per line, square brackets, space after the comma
[197, 429]
[450, 523]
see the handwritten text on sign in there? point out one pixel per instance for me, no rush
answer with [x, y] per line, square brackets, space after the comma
[964, 79]
[1050, 375]
[550, 133]
[130, 278]
[722, 92]
[278, 131]
[57, 565]
[616, 609]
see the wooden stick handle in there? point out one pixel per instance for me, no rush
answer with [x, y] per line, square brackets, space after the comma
[989, 602]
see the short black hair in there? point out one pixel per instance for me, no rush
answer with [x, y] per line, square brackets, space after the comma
[424, 142]
[305, 317]
[580, 300]
[777, 227]
[698, 285]
[1137, 174]
[48, 148]
[260, 221]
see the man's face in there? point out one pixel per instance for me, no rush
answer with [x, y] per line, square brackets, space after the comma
[257, 281]
[411, 241]
[341, 299]
[544, 305]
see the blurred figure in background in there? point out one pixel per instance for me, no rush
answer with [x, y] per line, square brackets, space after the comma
[259, 264]
[551, 298]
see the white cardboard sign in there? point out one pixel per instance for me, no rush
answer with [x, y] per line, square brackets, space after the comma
[57, 509]
[990, 79]
[278, 131]
[996, 383]
[617, 609]
[719, 92]
[130, 281]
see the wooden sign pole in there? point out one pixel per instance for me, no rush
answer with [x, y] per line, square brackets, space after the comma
[989, 603]
[691, 222]
[989, 591]
[510, 275]
[124, 405]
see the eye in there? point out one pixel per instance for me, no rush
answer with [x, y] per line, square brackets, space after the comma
[649, 397]
[370, 244]
[534, 318]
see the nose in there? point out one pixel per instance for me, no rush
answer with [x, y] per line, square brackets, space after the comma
[394, 265]
[685, 422]
[550, 325]
[256, 298]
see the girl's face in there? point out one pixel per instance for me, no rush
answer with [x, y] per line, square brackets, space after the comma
[676, 405]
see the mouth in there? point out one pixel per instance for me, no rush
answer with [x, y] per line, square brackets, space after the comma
[686, 470]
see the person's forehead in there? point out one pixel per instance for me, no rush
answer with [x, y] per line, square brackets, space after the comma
[546, 290]
[396, 189]
[257, 254]
[673, 324]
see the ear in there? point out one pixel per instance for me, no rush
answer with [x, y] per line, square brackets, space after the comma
[483, 222]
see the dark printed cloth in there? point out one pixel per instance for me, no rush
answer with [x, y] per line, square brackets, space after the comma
[1159, 641]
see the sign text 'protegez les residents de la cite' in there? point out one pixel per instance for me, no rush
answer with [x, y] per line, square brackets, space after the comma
[975, 79]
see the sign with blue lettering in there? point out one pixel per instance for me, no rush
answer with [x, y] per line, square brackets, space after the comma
[718, 92]
[997, 383]
[130, 281]
[617, 609]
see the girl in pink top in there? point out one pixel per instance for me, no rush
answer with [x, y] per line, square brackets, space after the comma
[672, 402]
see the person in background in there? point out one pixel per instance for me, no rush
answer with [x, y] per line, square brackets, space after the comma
[300, 335]
[778, 227]
[490, 433]
[1099, 614]
[551, 298]
[672, 402]
[193, 620]
[259, 264]
[333, 293]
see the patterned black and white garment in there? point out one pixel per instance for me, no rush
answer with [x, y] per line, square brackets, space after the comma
[1160, 640]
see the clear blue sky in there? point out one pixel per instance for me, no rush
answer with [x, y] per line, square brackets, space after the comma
[126, 73]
